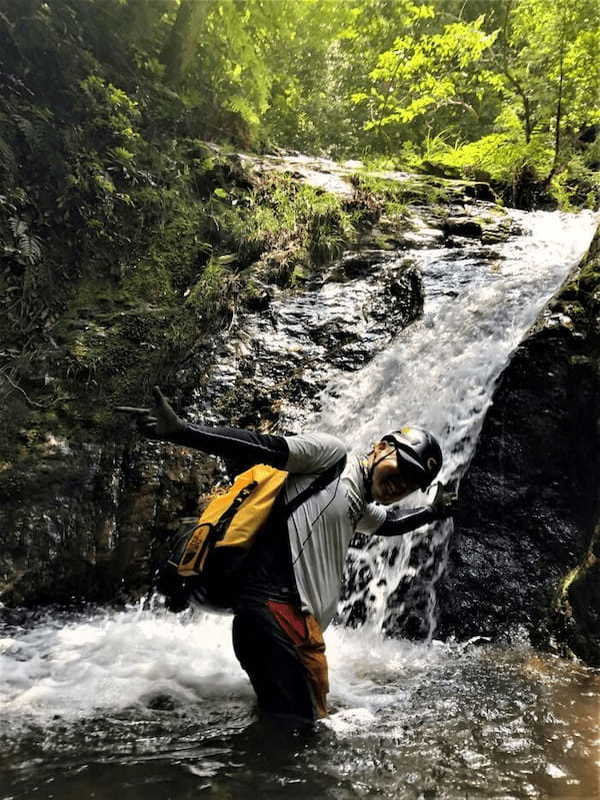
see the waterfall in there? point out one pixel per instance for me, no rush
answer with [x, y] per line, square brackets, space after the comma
[440, 373]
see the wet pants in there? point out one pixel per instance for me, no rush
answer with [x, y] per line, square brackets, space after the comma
[283, 652]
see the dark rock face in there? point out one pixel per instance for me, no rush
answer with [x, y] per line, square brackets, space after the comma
[80, 523]
[463, 226]
[525, 546]
[283, 358]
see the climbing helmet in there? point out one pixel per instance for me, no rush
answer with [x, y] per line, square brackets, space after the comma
[418, 452]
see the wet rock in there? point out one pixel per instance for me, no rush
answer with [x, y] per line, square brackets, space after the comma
[486, 222]
[423, 237]
[479, 190]
[356, 265]
[162, 702]
[288, 356]
[463, 226]
[458, 241]
[440, 170]
[525, 549]
[80, 518]
[422, 230]
[257, 297]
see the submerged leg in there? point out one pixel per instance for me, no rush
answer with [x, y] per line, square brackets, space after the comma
[265, 647]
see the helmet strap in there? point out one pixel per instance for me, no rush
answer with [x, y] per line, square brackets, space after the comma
[367, 473]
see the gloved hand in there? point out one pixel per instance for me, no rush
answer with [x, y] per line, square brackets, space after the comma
[158, 422]
[445, 501]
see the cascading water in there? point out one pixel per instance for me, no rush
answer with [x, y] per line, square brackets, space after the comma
[440, 373]
[142, 703]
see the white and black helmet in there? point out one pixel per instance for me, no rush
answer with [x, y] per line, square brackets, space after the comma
[418, 451]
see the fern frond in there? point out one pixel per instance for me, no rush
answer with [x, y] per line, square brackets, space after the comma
[30, 132]
[18, 226]
[30, 247]
[240, 105]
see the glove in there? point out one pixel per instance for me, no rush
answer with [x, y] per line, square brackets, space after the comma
[158, 422]
[445, 502]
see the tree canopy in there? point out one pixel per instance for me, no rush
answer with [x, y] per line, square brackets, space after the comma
[363, 77]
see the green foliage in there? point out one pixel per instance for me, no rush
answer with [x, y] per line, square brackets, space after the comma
[394, 197]
[120, 224]
[281, 214]
[363, 77]
[421, 75]
[210, 297]
[576, 186]
[27, 248]
[499, 157]
[544, 39]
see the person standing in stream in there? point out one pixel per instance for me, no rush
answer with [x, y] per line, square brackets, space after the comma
[292, 579]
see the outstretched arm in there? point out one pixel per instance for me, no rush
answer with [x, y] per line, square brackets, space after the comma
[404, 520]
[242, 447]
[412, 519]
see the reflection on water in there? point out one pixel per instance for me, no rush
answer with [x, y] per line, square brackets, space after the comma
[92, 706]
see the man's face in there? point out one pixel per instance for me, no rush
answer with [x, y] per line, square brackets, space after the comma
[388, 484]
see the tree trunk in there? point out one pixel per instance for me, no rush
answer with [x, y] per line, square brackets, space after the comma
[179, 48]
[559, 101]
[518, 88]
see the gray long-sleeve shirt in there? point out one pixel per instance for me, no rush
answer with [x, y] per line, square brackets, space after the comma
[320, 530]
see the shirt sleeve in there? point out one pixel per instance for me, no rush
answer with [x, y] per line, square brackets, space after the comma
[372, 519]
[242, 448]
[313, 452]
[411, 519]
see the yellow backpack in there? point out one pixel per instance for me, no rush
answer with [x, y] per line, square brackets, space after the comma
[207, 561]
[232, 520]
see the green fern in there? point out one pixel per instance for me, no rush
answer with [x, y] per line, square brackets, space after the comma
[7, 157]
[241, 105]
[29, 247]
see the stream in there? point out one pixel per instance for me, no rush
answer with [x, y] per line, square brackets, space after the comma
[138, 703]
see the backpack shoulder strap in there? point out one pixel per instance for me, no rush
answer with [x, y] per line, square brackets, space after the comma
[321, 481]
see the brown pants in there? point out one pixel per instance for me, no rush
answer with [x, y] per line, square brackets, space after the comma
[283, 652]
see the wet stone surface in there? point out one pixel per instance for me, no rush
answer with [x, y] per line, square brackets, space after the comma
[285, 354]
[524, 549]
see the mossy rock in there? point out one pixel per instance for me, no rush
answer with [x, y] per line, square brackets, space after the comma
[578, 607]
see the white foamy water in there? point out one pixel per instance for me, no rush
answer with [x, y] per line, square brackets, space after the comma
[441, 370]
[120, 703]
[75, 668]
[115, 660]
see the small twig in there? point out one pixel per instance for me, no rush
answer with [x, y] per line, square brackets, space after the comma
[23, 392]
